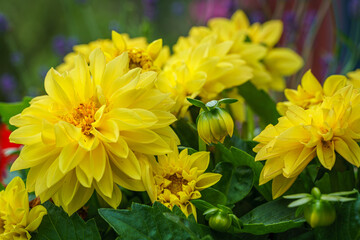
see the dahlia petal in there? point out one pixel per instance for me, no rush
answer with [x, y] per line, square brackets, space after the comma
[118, 41]
[80, 199]
[72, 185]
[65, 133]
[53, 174]
[80, 74]
[147, 79]
[118, 148]
[271, 32]
[348, 149]
[130, 165]
[284, 62]
[154, 48]
[105, 184]
[35, 217]
[200, 160]
[207, 180]
[108, 131]
[334, 83]
[125, 181]
[280, 185]
[97, 65]
[26, 135]
[71, 155]
[54, 90]
[326, 154]
[115, 199]
[98, 157]
[164, 119]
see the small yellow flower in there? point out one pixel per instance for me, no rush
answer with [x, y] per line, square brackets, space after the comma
[300, 135]
[16, 220]
[214, 125]
[310, 92]
[85, 134]
[149, 57]
[175, 179]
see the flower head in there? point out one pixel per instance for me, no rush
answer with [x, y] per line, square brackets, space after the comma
[203, 69]
[354, 78]
[175, 179]
[310, 93]
[148, 57]
[16, 219]
[85, 134]
[303, 134]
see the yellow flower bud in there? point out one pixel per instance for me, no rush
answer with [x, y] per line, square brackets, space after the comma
[214, 125]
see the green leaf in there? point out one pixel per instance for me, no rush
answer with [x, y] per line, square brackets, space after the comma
[240, 158]
[213, 196]
[228, 100]
[7, 110]
[236, 182]
[2, 187]
[57, 225]
[271, 217]
[336, 198]
[298, 195]
[196, 102]
[346, 225]
[202, 205]
[187, 133]
[156, 222]
[299, 202]
[260, 102]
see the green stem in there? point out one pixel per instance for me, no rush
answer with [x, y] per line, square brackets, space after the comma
[250, 123]
[202, 145]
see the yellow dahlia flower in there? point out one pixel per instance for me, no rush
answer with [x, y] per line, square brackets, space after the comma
[149, 57]
[204, 70]
[85, 134]
[16, 220]
[175, 179]
[310, 92]
[332, 126]
[270, 65]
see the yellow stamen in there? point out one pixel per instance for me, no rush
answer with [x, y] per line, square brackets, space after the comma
[83, 116]
[139, 58]
[176, 184]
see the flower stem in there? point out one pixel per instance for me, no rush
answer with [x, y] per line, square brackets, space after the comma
[202, 145]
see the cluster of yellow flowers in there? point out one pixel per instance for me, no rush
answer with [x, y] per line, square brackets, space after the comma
[100, 125]
[16, 220]
[318, 121]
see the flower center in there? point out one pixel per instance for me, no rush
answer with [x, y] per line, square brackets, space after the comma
[83, 116]
[176, 184]
[139, 58]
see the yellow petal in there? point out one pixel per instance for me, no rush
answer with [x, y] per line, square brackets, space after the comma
[115, 199]
[280, 185]
[105, 183]
[283, 61]
[154, 48]
[207, 180]
[334, 83]
[97, 65]
[348, 149]
[35, 217]
[130, 165]
[118, 41]
[200, 160]
[326, 153]
[26, 135]
[271, 32]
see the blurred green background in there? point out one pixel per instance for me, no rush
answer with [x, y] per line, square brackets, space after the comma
[36, 35]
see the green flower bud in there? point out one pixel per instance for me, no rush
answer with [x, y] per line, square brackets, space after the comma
[220, 221]
[319, 213]
[214, 125]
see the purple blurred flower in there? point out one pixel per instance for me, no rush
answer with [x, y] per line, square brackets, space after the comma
[203, 10]
[177, 8]
[4, 24]
[8, 82]
[290, 26]
[256, 16]
[16, 58]
[63, 45]
[115, 25]
[150, 8]
[354, 8]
